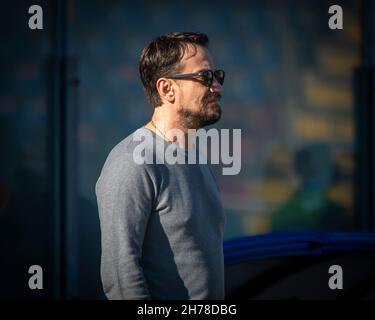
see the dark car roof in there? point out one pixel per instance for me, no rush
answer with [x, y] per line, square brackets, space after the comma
[311, 243]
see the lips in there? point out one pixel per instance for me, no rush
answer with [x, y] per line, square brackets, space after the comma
[212, 99]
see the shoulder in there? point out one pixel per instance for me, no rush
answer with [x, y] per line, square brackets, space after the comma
[126, 147]
[123, 152]
[121, 159]
[123, 178]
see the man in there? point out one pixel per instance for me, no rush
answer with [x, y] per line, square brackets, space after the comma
[162, 224]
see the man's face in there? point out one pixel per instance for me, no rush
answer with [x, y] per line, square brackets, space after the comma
[198, 105]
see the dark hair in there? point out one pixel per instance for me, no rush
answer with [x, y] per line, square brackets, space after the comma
[162, 57]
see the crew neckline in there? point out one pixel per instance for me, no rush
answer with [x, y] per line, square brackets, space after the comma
[160, 139]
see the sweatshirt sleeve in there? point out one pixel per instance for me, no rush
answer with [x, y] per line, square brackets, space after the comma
[125, 194]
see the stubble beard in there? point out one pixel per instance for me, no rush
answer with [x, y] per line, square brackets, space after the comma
[209, 113]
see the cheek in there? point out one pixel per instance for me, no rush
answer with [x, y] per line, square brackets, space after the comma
[199, 95]
[196, 102]
[193, 99]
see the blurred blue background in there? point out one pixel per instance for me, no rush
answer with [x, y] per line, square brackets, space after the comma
[298, 90]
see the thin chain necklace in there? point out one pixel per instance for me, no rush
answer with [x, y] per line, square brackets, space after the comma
[162, 133]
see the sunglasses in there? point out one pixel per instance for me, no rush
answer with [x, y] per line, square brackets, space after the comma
[206, 76]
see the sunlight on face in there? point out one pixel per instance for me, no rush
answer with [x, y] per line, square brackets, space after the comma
[198, 105]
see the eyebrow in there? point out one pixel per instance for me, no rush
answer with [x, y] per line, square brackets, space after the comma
[205, 69]
[191, 73]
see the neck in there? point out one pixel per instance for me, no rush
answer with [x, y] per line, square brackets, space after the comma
[168, 128]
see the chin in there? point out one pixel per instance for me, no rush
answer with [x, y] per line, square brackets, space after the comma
[212, 118]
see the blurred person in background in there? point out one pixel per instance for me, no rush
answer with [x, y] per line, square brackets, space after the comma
[310, 207]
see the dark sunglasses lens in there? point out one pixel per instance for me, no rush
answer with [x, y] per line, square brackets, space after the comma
[220, 75]
[207, 78]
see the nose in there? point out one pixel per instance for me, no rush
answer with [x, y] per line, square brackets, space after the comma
[216, 86]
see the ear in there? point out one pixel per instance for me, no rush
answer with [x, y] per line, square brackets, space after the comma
[165, 89]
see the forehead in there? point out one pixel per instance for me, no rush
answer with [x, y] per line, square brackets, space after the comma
[196, 58]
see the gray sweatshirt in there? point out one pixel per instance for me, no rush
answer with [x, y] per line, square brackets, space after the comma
[161, 226]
